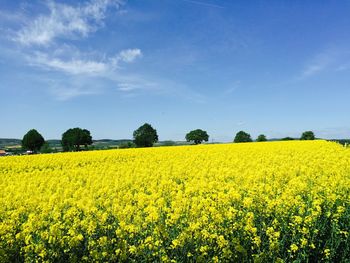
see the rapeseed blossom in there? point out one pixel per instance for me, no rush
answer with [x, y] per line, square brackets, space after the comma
[269, 202]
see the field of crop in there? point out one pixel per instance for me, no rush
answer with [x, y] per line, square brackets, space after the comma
[274, 201]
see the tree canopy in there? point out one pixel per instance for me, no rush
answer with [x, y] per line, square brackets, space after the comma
[242, 136]
[261, 138]
[73, 138]
[197, 136]
[33, 140]
[145, 136]
[307, 135]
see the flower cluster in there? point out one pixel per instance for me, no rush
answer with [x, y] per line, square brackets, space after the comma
[267, 202]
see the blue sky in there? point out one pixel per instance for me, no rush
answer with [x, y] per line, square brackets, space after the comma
[272, 67]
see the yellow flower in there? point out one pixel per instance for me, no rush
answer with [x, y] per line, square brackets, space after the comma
[294, 247]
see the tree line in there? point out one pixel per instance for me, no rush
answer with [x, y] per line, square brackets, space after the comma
[145, 136]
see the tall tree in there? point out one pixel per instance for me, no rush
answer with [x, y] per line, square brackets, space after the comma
[73, 138]
[307, 135]
[197, 136]
[242, 136]
[32, 140]
[145, 136]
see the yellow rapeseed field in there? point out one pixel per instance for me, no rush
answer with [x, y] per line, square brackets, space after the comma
[263, 202]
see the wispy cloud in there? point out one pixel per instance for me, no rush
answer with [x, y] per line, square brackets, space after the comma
[319, 64]
[330, 59]
[65, 21]
[81, 63]
[129, 55]
[232, 87]
[11, 17]
[63, 94]
[45, 44]
[73, 66]
[202, 3]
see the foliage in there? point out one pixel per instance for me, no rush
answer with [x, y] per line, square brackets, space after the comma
[73, 138]
[268, 202]
[242, 136]
[261, 138]
[145, 136]
[32, 140]
[308, 135]
[287, 139]
[46, 148]
[168, 143]
[126, 145]
[197, 136]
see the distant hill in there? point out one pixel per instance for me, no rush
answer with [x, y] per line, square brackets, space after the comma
[6, 143]
[9, 141]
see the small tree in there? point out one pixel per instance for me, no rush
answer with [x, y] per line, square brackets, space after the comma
[242, 136]
[261, 138]
[32, 140]
[145, 136]
[72, 139]
[197, 136]
[307, 135]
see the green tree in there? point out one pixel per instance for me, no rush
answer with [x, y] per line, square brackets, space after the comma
[261, 138]
[73, 138]
[307, 135]
[145, 136]
[197, 136]
[32, 140]
[242, 136]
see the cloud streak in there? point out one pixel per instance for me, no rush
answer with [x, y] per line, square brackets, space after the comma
[203, 3]
[80, 64]
[330, 59]
[65, 21]
[73, 66]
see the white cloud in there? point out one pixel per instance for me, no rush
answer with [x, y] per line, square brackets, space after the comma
[65, 21]
[43, 44]
[129, 55]
[73, 66]
[79, 63]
